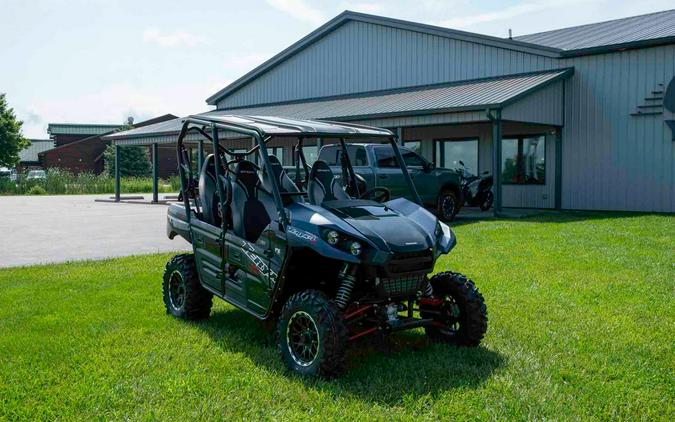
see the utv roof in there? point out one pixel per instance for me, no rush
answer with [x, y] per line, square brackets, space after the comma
[265, 126]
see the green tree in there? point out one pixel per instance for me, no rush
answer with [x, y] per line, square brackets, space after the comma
[134, 160]
[11, 139]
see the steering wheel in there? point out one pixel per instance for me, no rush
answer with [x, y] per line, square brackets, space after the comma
[379, 194]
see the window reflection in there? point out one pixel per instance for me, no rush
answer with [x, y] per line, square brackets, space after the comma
[524, 160]
[450, 152]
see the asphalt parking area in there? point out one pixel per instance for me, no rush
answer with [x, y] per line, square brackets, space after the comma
[47, 229]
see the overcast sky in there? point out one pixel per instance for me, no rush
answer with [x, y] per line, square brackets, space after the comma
[99, 61]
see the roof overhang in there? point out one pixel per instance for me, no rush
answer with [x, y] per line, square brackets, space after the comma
[79, 129]
[447, 99]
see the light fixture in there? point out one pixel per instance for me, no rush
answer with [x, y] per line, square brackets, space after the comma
[332, 237]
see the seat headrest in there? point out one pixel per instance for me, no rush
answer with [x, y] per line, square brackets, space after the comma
[321, 172]
[277, 174]
[276, 164]
[246, 175]
[209, 164]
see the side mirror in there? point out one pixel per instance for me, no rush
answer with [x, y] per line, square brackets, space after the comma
[429, 167]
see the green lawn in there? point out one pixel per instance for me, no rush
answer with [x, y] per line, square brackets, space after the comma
[582, 326]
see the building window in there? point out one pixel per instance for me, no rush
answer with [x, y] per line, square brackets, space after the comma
[414, 146]
[235, 150]
[311, 153]
[449, 152]
[524, 160]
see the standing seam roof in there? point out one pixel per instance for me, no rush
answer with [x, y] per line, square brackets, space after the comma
[619, 31]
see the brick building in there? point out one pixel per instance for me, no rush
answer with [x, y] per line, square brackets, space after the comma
[80, 147]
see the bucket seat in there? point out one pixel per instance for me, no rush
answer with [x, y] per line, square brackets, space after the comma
[323, 185]
[249, 215]
[207, 192]
[286, 185]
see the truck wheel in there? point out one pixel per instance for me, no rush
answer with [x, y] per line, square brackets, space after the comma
[463, 314]
[184, 297]
[448, 205]
[312, 335]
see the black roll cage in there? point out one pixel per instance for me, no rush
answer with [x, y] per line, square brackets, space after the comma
[199, 125]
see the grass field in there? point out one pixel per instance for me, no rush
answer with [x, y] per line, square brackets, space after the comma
[582, 326]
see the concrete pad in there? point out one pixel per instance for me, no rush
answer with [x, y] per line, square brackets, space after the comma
[47, 229]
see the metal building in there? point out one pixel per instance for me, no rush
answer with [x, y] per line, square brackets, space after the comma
[577, 118]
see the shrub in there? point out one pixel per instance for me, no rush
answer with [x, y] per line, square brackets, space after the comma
[36, 190]
[134, 161]
[63, 182]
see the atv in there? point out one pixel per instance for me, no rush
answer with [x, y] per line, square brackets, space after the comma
[323, 262]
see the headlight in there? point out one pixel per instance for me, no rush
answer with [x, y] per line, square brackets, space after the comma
[355, 248]
[439, 230]
[332, 237]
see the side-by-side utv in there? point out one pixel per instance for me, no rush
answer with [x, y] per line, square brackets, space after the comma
[312, 253]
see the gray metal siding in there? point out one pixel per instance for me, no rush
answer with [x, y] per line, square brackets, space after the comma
[360, 57]
[612, 160]
[544, 107]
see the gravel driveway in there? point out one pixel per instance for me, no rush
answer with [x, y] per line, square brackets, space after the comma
[46, 229]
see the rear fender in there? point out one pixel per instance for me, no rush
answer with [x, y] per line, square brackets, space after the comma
[176, 222]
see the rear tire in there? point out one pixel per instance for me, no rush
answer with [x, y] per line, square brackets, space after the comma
[464, 314]
[447, 205]
[487, 202]
[184, 297]
[312, 335]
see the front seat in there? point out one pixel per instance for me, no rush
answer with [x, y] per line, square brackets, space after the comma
[323, 185]
[207, 192]
[249, 216]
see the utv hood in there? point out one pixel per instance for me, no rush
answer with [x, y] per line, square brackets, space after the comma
[383, 226]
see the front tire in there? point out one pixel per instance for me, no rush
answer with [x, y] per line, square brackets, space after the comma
[312, 335]
[184, 297]
[448, 205]
[463, 314]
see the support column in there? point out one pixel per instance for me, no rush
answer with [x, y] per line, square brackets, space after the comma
[558, 168]
[200, 154]
[497, 161]
[117, 173]
[399, 135]
[155, 173]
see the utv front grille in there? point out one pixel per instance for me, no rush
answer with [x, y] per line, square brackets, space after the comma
[403, 286]
[402, 263]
